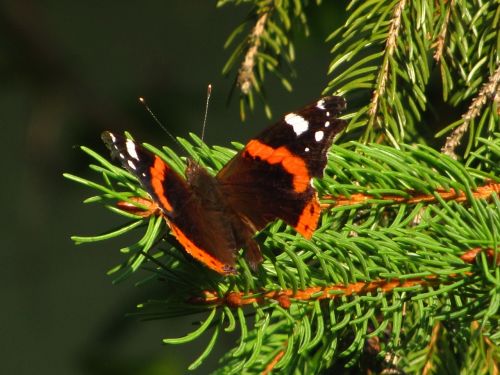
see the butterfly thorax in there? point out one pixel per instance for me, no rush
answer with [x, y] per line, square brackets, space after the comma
[205, 187]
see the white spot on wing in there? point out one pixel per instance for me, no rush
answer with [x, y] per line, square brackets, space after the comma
[306, 149]
[131, 149]
[327, 114]
[112, 136]
[327, 124]
[131, 164]
[298, 123]
[318, 136]
[320, 104]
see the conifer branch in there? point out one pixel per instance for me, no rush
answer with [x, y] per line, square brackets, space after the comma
[285, 297]
[471, 255]
[441, 40]
[271, 365]
[246, 72]
[492, 351]
[267, 48]
[383, 73]
[351, 269]
[482, 192]
[489, 91]
[431, 349]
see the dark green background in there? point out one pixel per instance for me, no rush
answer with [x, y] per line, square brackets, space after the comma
[70, 70]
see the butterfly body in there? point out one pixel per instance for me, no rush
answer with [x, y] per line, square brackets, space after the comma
[214, 216]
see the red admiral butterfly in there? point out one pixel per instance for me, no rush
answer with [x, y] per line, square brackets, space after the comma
[213, 217]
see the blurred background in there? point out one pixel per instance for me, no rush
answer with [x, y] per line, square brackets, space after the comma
[70, 70]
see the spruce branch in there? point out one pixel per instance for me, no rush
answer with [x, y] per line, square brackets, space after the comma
[246, 74]
[377, 40]
[431, 349]
[272, 364]
[268, 48]
[489, 92]
[285, 298]
[388, 52]
[381, 55]
[482, 192]
[369, 271]
[441, 39]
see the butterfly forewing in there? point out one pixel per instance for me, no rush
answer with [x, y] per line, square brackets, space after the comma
[271, 177]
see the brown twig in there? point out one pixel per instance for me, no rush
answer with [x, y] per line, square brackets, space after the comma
[490, 90]
[470, 255]
[439, 44]
[284, 297]
[239, 299]
[246, 74]
[142, 207]
[270, 366]
[482, 192]
[431, 349]
[390, 46]
[490, 351]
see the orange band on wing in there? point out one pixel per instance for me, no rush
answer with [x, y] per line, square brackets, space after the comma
[308, 220]
[201, 255]
[281, 155]
[157, 172]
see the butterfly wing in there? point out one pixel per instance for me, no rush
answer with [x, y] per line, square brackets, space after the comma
[201, 231]
[271, 177]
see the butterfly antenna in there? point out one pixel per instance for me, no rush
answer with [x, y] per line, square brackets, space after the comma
[143, 102]
[209, 92]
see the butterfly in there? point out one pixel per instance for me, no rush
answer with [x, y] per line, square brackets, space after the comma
[212, 217]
